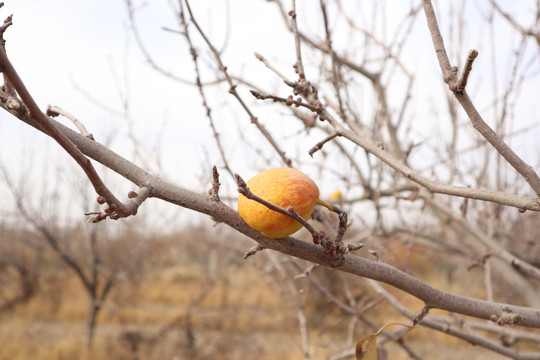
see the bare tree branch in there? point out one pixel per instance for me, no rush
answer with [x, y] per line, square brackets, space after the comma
[443, 327]
[48, 128]
[234, 92]
[450, 77]
[53, 111]
[356, 265]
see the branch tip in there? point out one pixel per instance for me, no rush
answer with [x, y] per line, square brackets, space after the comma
[253, 251]
[462, 82]
[214, 191]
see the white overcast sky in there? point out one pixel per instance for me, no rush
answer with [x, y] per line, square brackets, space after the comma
[59, 45]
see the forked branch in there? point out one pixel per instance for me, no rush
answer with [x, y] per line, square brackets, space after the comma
[450, 77]
[44, 123]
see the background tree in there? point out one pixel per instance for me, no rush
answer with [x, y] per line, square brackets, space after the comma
[98, 260]
[19, 268]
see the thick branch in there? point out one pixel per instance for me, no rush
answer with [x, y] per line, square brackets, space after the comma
[356, 265]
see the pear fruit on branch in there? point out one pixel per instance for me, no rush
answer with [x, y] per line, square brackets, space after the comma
[284, 187]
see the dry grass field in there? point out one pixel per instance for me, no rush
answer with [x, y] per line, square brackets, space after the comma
[186, 306]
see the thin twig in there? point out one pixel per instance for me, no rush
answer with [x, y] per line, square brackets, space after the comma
[271, 67]
[479, 261]
[54, 111]
[7, 23]
[149, 59]
[194, 57]
[507, 335]
[232, 90]
[462, 82]
[488, 281]
[336, 79]
[343, 60]
[531, 32]
[215, 185]
[289, 101]
[342, 227]
[318, 146]
[253, 251]
[299, 66]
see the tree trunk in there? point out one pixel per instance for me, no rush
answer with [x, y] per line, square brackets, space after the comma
[91, 321]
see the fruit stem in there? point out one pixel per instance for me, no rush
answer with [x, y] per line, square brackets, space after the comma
[329, 206]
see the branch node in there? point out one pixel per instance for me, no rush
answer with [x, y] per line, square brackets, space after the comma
[507, 317]
[421, 315]
[479, 261]
[13, 104]
[121, 210]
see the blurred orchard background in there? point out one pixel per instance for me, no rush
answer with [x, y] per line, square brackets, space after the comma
[171, 283]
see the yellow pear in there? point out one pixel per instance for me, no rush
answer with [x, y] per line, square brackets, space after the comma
[283, 187]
